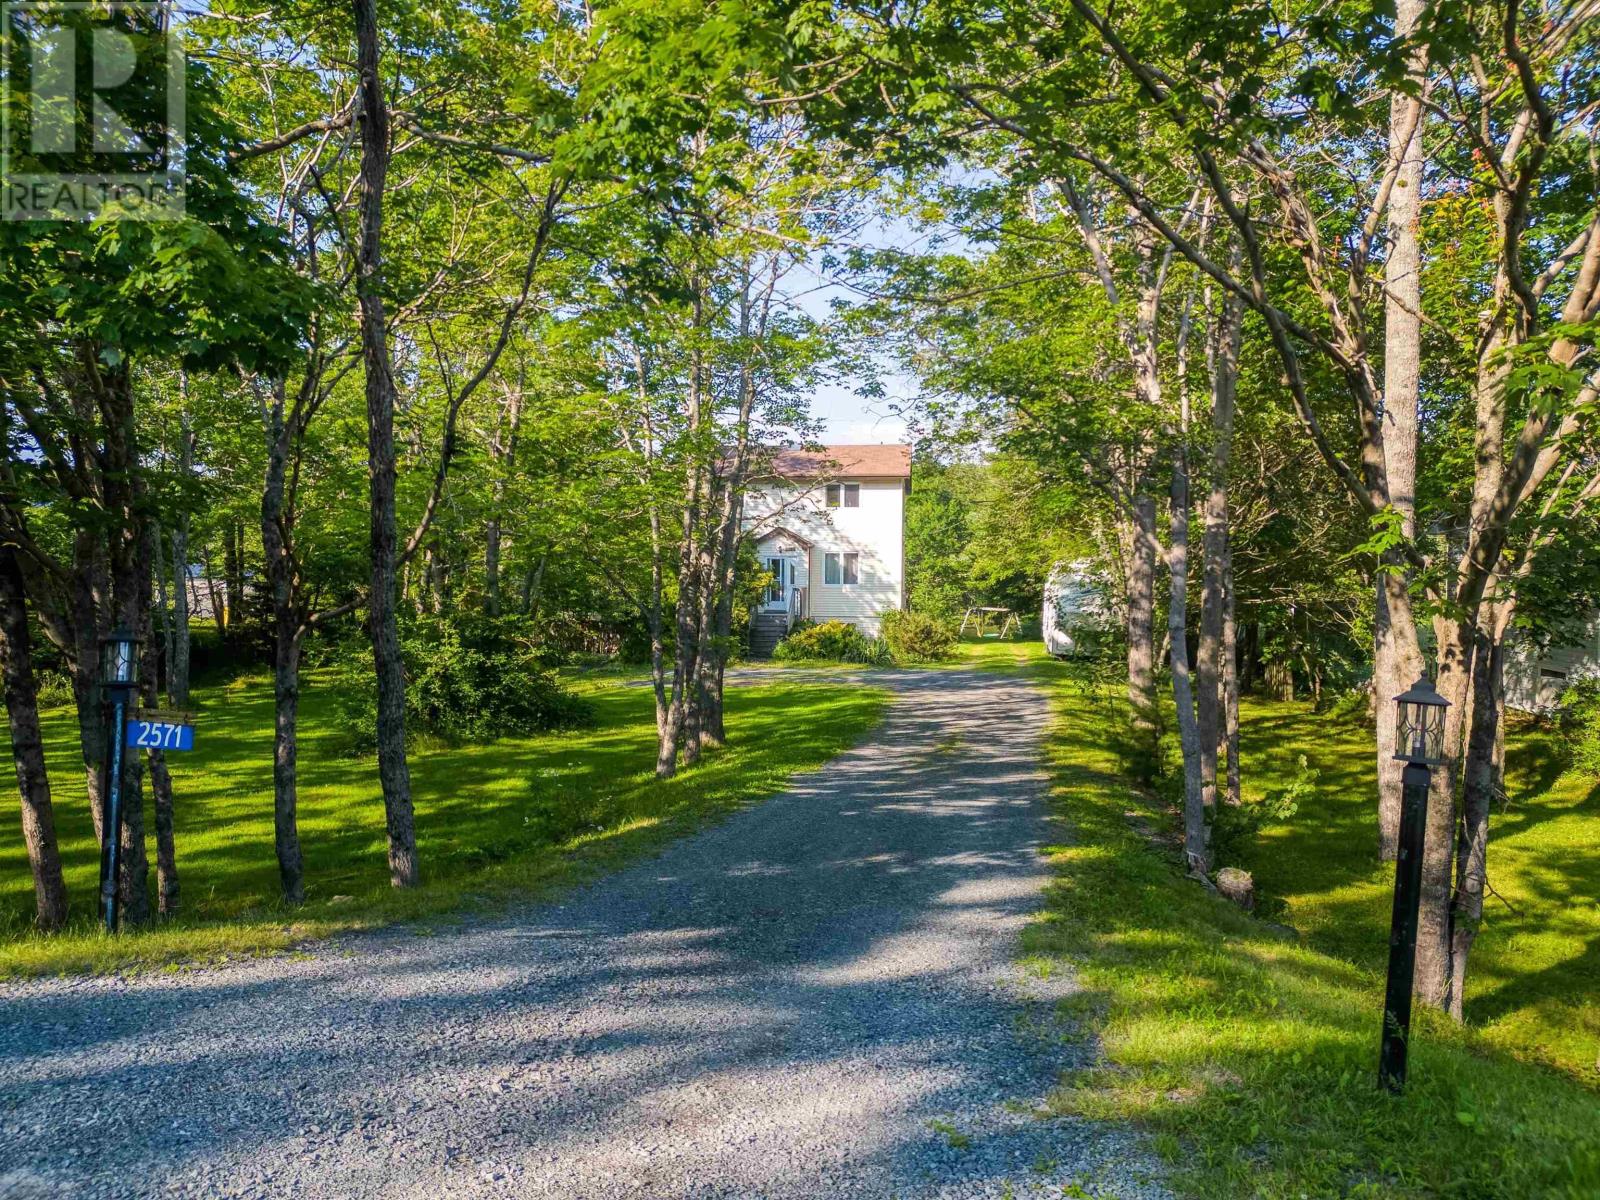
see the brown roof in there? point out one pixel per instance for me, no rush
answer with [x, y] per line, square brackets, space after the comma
[843, 462]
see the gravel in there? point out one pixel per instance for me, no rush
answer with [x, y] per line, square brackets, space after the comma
[817, 998]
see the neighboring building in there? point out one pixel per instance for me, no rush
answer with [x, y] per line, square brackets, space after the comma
[830, 527]
[1536, 676]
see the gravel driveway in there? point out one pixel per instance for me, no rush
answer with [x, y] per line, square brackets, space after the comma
[814, 999]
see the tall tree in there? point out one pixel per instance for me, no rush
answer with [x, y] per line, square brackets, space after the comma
[394, 771]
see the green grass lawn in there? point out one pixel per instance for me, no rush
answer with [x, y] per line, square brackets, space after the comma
[1534, 982]
[1250, 1054]
[511, 818]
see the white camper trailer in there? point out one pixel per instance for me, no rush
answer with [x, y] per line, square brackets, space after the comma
[1074, 613]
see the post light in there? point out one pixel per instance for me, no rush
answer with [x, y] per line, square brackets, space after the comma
[1419, 743]
[1419, 725]
[119, 659]
[119, 675]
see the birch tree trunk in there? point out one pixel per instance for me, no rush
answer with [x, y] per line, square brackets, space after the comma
[533, 587]
[233, 573]
[394, 772]
[502, 457]
[1392, 669]
[1141, 633]
[158, 574]
[178, 666]
[1224, 355]
[1195, 848]
[1230, 676]
[27, 748]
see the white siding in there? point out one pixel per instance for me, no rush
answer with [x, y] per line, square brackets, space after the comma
[1535, 680]
[875, 531]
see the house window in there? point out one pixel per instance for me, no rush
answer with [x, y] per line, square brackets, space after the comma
[841, 568]
[844, 495]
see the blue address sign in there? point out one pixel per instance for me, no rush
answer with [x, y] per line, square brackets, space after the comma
[160, 735]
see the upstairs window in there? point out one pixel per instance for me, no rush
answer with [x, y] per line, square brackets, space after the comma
[844, 495]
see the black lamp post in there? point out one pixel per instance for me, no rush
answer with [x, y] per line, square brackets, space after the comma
[119, 675]
[1419, 743]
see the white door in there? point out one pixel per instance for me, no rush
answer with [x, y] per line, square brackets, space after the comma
[776, 597]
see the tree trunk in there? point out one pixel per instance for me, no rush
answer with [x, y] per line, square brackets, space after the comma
[505, 457]
[178, 667]
[1481, 784]
[1195, 848]
[1457, 643]
[678, 731]
[491, 566]
[394, 773]
[91, 599]
[129, 568]
[233, 572]
[533, 587]
[286, 632]
[285, 753]
[719, 606]
[1141, 634]
[27, 748]
[1224, 354]
[163, 613]
[1230, 676]
[1391, 673]
[219, 607]
[167, 889]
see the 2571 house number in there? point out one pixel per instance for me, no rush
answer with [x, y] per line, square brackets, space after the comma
[148, 734]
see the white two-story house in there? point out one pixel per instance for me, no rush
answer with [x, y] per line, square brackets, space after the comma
[829, 526]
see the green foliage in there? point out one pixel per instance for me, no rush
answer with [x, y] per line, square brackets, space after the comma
[832, 641]
[468, 679]
[937, 532]
[1578, 719]
[915, 637]
[1235, 830]
[55, 688]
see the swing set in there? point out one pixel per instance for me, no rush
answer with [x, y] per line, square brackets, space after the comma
[1007, 623]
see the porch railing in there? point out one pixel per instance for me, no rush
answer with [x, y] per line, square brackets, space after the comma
[797, 605]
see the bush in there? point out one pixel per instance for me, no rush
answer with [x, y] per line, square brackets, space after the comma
[55, 688]
[917, 637]
[832, 641]
[468, 679]
[1236, 827]
[1578, 718]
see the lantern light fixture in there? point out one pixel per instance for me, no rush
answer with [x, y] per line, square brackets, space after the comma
[1419, 724]
[119, 659]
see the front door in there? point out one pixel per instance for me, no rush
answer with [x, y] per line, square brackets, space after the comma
[776, 597]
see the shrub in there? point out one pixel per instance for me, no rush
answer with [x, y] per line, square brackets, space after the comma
[832, 641]
[55, 689]
[468, 679]
[1237, 826]
[917, 637]
[1578, 718]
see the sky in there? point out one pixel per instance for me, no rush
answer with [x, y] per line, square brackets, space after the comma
[847, 417]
